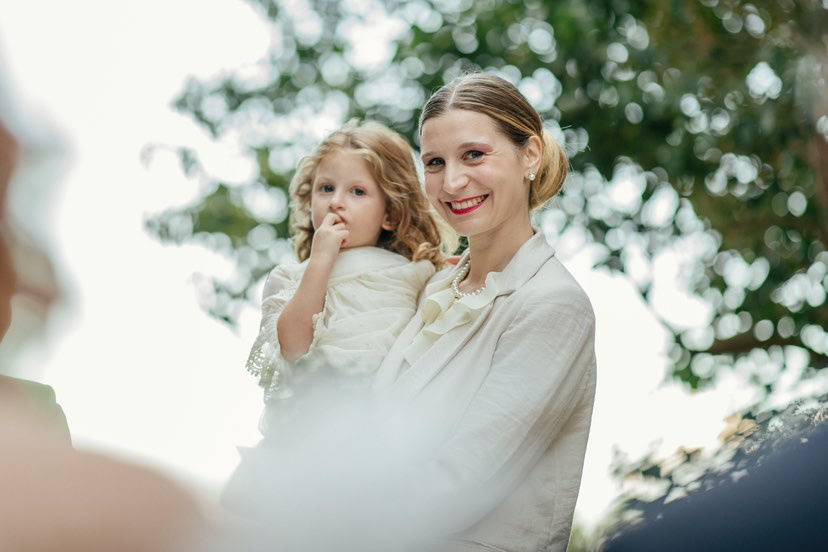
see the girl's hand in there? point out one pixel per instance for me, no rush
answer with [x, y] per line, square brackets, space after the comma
[328, 238]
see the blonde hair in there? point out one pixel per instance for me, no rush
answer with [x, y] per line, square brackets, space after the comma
[515, 118]
[390, 161]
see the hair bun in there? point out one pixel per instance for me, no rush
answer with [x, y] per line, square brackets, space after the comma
[551, 175]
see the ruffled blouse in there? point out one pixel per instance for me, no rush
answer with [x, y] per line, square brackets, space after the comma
[441, 313]
[372, 294]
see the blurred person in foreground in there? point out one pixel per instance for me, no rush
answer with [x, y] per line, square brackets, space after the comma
[53, 497]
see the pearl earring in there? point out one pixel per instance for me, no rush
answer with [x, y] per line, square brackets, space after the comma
[531, 177]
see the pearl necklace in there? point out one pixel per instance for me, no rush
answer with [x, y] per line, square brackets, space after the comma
[455, 284]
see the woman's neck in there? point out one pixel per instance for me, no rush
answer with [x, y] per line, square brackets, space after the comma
[493, 251]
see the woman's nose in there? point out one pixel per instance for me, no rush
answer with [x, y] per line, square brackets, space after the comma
[455, 179]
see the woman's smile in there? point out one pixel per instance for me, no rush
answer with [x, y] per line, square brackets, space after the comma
[467, 205]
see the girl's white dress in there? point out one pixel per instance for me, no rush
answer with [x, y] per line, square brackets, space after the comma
[372, 294]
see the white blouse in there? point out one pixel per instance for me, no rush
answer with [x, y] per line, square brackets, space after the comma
[492, 399]
[372, 294]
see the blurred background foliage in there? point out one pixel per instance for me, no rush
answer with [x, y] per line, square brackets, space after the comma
[697, 132]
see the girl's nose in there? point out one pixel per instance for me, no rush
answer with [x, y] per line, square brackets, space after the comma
[336, 202]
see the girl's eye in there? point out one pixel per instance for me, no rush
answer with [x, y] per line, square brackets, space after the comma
[327, 188]
[474, 155]
[359, 192]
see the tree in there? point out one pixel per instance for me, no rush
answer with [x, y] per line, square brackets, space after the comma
[696, 128]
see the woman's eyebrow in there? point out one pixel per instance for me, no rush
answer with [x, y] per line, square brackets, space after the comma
[477, 145]
[465, 145]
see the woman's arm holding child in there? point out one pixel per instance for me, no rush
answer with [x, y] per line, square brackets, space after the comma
[295, 325]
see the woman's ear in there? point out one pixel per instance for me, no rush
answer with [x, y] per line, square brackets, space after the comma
[532, 154]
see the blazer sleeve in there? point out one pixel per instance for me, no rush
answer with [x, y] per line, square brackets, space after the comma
[542, 368]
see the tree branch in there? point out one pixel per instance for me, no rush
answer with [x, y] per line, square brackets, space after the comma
[746, 342]
[819, 153]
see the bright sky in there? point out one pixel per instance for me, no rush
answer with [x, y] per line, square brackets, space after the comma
[139, 369]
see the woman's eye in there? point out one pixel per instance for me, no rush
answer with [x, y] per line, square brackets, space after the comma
[434, 164]
[474, 155]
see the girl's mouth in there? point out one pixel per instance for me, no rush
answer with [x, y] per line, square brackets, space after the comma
[466, 206]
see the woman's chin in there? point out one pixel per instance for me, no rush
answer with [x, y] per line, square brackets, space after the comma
[468, 226]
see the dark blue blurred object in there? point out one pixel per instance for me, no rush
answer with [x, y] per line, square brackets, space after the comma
[780, 505]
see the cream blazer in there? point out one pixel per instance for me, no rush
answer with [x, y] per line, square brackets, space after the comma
[502, 402]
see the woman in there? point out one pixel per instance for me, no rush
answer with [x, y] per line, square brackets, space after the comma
[496, 370]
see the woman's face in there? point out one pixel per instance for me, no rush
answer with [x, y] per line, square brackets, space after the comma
[475, 176]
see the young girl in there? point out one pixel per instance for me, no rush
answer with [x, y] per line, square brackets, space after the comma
[367, 245]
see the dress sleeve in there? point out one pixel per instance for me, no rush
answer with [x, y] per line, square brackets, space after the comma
[265, 360]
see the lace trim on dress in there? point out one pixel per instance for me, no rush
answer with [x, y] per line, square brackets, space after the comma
[265, 360]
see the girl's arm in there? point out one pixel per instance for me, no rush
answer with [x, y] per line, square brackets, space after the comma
[295, 325]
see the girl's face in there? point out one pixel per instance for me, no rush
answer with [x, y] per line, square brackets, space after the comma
[474, 176]
[343, 185]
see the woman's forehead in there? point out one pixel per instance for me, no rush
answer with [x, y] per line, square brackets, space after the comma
[457, 126]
